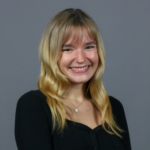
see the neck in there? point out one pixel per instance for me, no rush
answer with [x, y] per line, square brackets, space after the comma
[76, 93]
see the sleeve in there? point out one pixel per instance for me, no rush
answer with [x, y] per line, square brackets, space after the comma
[32, 129]
[120, 118]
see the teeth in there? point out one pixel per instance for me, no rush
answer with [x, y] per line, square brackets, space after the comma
[80, 68]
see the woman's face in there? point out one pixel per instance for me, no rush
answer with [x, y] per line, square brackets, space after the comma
[79, 59]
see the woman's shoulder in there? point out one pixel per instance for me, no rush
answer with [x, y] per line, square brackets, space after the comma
[33, 105]
[118, 112]
[115, 102]
[117, 107]
[32, 121]
[31, 101]
[32, 97]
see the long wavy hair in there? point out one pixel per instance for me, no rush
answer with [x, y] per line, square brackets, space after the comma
[53, 83]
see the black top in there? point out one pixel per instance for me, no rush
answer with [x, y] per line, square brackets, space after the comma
[33, 127]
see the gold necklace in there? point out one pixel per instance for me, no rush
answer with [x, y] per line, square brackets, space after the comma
[75, 108]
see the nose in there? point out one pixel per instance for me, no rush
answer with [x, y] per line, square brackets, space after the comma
[80, 56]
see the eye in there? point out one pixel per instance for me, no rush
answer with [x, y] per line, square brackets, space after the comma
[89, 47]
[68, 50]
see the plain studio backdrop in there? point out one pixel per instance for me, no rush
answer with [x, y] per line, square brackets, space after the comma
[125, 29]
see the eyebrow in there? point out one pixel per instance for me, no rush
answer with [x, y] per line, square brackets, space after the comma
[88, 43]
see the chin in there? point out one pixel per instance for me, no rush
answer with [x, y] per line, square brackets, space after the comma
[79, 81]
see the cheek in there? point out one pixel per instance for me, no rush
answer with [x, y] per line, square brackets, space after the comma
[94, 57]
[64, 61]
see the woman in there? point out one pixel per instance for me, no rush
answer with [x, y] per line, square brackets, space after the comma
[71, 110]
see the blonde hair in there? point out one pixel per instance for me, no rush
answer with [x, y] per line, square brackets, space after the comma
[53, 83]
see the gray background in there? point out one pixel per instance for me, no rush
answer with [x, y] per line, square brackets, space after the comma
[125, 29]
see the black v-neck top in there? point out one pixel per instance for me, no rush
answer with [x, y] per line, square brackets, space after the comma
[33, 128]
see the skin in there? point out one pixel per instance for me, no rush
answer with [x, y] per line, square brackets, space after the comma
[79, 53]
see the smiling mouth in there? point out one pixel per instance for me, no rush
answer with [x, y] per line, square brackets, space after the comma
[79, 68]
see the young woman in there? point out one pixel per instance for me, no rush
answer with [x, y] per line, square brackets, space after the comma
[71, 110]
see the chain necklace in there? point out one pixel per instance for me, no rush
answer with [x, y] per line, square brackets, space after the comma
[75, 108]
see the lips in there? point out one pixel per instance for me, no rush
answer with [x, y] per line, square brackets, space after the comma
[80, 69]
[80, 66]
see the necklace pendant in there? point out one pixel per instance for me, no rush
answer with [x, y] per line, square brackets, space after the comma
[76, 110]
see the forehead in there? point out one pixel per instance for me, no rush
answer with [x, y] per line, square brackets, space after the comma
[78, 35]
